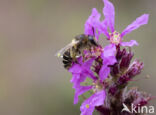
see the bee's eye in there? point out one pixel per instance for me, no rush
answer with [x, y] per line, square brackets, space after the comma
[91, 39]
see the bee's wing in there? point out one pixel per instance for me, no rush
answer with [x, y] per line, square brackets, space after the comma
[61, 52]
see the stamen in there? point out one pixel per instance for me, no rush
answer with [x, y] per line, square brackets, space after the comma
[97, 86]
[87, 106]
[115, 38]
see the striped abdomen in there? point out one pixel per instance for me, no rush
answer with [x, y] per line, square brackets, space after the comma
[67, 59]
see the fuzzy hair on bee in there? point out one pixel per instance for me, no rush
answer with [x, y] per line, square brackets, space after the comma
[76, 48]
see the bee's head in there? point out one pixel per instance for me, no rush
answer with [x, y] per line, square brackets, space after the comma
[85, 38]
[80, 37]
[92, 40]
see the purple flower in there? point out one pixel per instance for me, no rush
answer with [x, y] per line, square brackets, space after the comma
[115, 37]
[96, 99]
[94, 26]
[89, 104]
[81, 71]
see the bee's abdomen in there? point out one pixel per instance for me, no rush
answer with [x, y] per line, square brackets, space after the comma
[67, 59]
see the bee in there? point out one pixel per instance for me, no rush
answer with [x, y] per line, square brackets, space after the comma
[76, 48]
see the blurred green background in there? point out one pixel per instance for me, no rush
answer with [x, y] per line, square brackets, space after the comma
[32, 80]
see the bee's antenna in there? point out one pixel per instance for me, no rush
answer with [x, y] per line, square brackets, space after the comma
[93, 31]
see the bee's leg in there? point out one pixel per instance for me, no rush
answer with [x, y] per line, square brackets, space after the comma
[83, 55]
[89, 51]
[89, 48]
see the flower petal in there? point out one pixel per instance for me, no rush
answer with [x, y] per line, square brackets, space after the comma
[130, 43]
[86, 68]
[79, 91]
[109, 13]
[136, 24]
[103, 28]
[92, 22]
[104, 72]
[75, 69]
[109, 51]
[109, 58]
[88, 63]
[90, 74]
[77, 79]
[89, 104]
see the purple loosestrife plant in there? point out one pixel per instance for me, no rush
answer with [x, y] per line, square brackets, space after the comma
[109, 68]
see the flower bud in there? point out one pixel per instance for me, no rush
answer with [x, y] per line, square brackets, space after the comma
[135, 68]
[125, 61]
